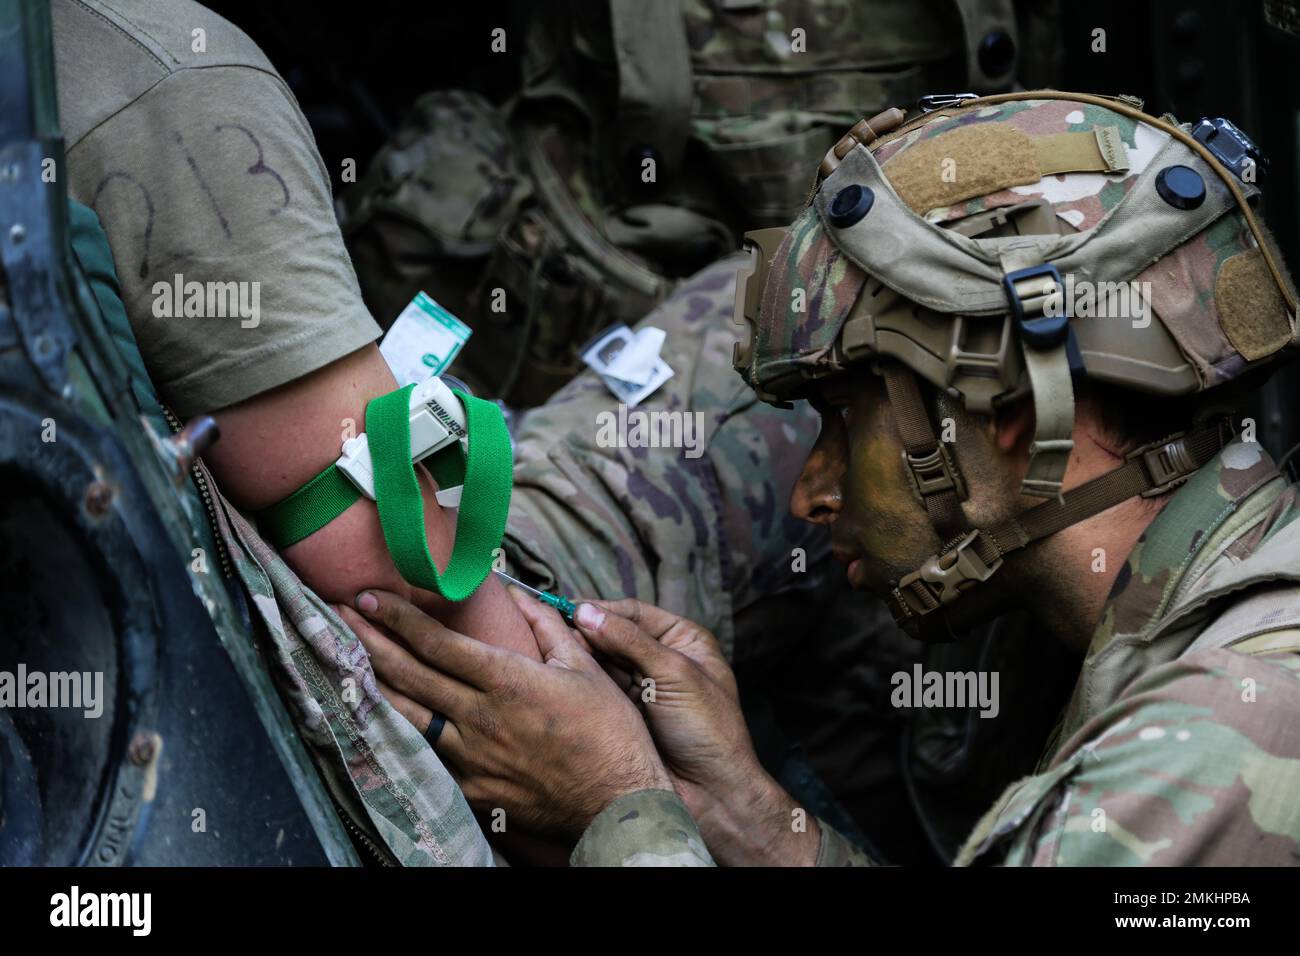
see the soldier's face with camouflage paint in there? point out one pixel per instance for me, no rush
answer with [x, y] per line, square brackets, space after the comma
[855, 484]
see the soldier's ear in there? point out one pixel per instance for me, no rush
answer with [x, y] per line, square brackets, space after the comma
[1013, 427]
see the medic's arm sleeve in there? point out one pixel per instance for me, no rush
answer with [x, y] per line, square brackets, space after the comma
[836, 850]
[643, 828]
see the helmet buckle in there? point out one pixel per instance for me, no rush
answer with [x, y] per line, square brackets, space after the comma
[1045, 331]
[945, 575]
[933, 473]
[1168, 463]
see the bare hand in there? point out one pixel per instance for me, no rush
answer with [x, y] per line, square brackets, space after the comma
[552, 744]
[688, 693]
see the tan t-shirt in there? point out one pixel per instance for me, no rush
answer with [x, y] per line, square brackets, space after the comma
[192, 150]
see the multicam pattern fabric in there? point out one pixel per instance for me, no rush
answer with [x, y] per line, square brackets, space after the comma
[1181, 281]
[1213, 525]
[645, 828]
[383, 773]
[840, 33]
[766, 113]
[706, 536]
[1182, 296]
[1087, 195]
[478, 184]
[835, 851]
[709, 538]
[1081, 199]
[1176, 751]
[654, 828]
[808, 269]
[432, 202]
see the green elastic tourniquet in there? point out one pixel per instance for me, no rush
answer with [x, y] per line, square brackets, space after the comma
[308, 509]
[481, 522]
[447, 466]
[485, 472]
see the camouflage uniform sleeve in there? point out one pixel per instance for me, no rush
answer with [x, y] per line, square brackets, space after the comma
[1196, 765]
[702, 530]
[836, 850]
[644, 828]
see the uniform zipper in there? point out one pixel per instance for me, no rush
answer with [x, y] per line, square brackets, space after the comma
[205, 492]
[377, 854]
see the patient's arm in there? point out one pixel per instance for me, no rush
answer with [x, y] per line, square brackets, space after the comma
[274, 443]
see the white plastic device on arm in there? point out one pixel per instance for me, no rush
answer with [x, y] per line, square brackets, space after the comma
[437, 420]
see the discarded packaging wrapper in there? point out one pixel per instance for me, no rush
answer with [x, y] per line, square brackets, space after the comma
[423, 341]
[628, 362]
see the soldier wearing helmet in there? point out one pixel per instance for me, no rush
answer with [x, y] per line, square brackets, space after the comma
[1021, 262]
[1025, 320]
[581, 241]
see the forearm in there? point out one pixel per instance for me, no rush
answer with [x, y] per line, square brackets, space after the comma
[278, 441]
[756, 823]
[763, 826]
[654, 828]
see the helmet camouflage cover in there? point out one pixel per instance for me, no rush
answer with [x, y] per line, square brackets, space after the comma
[1011, 245]
[935, 238]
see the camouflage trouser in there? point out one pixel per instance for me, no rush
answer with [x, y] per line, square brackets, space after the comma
[710, 537]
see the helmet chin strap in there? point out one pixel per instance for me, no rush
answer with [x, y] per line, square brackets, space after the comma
[923, 600]
[930, 465]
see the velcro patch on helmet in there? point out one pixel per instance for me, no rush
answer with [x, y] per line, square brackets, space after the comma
[1250, 306]
[1100, 150]
[963, 164]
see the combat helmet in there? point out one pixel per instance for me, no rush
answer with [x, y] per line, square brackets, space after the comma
[984, 247]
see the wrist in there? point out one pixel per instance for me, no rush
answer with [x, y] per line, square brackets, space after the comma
[759, 824]
[648, 773]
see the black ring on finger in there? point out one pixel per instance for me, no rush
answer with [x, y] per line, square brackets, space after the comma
[434, 730]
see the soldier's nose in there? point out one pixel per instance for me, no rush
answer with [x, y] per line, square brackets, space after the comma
[817, 496]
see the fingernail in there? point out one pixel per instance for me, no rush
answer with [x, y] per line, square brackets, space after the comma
[589, 616]
[367, 603]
